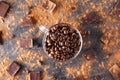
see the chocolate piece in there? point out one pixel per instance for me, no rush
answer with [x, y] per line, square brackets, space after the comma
[115, 71]
[116, 10]
[1, 38]
[26, 43]
[27, 21]
[89, 54]
[13, 68]
[48, 5]
[92, 17]
[62, 42]
[3, 8]
[34, 75]
[104, 40]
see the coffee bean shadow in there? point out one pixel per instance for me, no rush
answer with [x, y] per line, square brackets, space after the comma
[38, 41]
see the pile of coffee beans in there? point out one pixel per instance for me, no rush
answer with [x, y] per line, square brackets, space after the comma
[62, 42]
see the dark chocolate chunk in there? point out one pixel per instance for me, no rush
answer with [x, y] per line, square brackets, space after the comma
[62, 42]
[48, 5]
[13, 68]
[3, 8]
[27, 21]
[26, 43]
[89, 54]
[115, 71]
[1, 38]
[34, 75]
[92, 17]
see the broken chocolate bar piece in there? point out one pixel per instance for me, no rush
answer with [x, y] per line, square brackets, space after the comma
[34, 75]
[104, 40]
[1, 38]
[26, 22]
[89, 54]
[92, 17]
[115, 71]
[48, 5]
[13, 68]
[26, 43]
[3, 8]
[116, 10]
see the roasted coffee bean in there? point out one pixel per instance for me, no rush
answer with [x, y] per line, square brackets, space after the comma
[62, 42]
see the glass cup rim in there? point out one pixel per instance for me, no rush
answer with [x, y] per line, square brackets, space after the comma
[81, 41]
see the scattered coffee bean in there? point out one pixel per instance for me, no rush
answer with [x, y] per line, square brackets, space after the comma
[73, 8]
[13, 68]
[89, 54]
[62, 42]
[1, 38]
[3, 8]
[34, 75]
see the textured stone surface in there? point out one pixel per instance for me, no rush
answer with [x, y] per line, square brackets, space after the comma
[11, 51]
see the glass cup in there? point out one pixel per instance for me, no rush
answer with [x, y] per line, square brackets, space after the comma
[45, 30]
